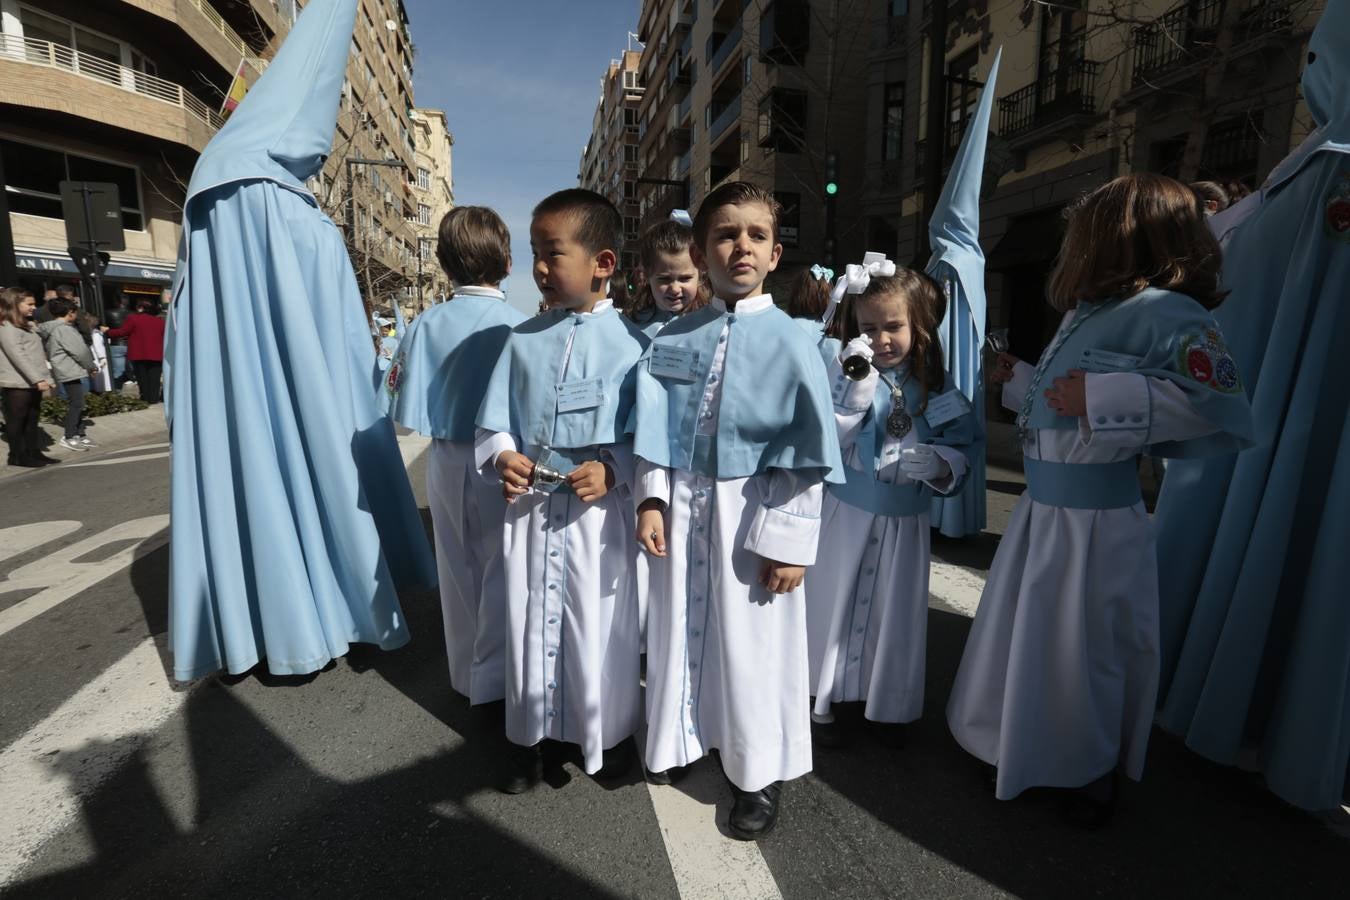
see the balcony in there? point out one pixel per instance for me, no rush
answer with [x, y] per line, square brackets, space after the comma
[683, 163]
[731, 113]
[685, 107]
[718, 55]
[1055, 103]
[1180, 36]
[53, 74]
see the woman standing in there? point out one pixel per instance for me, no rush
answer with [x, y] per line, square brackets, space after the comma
[23, 377]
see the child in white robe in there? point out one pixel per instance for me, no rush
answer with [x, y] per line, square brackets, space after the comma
[1058, 681]
[904, 434]
[552, 428]
[673, 286]
[735, 437]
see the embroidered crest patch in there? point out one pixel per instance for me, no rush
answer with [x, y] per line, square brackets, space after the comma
[1206, 360]
[1337, 219]
[394, 377]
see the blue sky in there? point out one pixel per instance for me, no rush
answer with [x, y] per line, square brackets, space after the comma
[519, 81]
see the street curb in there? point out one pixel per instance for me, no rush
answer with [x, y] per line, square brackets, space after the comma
[115, 432]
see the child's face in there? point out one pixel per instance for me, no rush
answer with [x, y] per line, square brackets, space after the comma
[568, 275]
[885, 319]
[740, 251]
[674, 281]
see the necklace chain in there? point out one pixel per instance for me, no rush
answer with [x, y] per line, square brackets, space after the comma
[1024, 415]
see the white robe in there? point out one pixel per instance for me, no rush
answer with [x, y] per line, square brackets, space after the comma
[867, 598]
[100, 381]
[1059, 677]
[727, 659]
[467, 513]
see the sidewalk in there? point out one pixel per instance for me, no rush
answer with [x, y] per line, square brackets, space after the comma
[111, 433]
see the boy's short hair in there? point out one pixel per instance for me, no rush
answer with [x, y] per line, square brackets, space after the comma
[734, 193]
[473, 246]
[599, 224]
[60, 308]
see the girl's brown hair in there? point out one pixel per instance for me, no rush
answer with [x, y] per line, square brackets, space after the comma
[670, 238]
[9, 308]
[1137, 231]
[473, 246]
[925, 305]
[809, 297]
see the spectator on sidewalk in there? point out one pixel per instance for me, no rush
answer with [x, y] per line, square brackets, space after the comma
[144, 331]
[116, 317]
[23, 377]
[101, 381]
[71, 361]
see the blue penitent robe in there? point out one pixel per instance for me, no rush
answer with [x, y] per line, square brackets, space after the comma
[1253, 547]
[958, 265]
[652, 320]
[292, 516]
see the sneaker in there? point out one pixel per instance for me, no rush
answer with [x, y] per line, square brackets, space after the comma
[88, 444]
[72, 444]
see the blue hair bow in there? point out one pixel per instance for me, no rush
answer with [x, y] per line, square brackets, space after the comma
[822, 273]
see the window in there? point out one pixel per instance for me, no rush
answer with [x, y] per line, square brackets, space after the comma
[963, 95]
[423, 178]
[630, 227]
[630, 153]
[897, 7]
[34, 176]
[785, 32]
[423, 214]
[782, 120]
[629, 190]
[892, 121]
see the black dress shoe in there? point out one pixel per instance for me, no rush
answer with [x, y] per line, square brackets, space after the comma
[755, 812]
[828, 734]
[523, 768]
[669, 776]
[890, 734]
[1090, 807]
[618, 760]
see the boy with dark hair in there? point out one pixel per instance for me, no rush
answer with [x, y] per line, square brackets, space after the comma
[433, 386]
[552, 429]
[735, 437]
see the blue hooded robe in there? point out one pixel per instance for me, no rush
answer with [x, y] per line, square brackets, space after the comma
[292, 516]
[958, 265]
[1254, 547]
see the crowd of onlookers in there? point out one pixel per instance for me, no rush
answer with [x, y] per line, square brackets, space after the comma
[60, 349]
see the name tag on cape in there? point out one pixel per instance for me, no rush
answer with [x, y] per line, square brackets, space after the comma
[680, 363]
[575, 395]
[946, 407]
[1100, 362]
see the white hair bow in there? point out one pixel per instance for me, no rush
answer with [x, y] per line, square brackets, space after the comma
[856, 278]
[682, 217]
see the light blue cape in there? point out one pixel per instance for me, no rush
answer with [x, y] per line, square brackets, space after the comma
[958, 265]
[1254, 549]
[292, 516]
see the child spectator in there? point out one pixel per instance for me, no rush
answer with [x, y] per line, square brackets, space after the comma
[672, 285]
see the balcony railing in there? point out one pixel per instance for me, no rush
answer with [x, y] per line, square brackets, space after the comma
[1176, 38]
[59, 56]
[219, 24]
[686, 105]
[730, 41]
[1057, 95]
[730, 113]
[683, 163]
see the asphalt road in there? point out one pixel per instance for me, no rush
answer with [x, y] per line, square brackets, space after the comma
[372, 779]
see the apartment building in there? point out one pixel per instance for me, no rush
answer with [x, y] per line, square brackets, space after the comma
[609, 163]
[1086, 91]
[434, 194]
[131, 91]
[771, 91]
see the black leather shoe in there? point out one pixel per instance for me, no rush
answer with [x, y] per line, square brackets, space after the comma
[523, 767]
[669, 776]
[618, 760]
[828, 734]
[1090, 807]
[889, 734]
[755, 812]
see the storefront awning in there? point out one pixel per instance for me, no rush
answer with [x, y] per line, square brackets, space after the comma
[118, 270]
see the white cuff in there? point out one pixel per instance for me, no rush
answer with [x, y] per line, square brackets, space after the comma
[784, 537]
[851, 396]
[957, 461]
[653, 482]
[487, 446]
[1118, 410]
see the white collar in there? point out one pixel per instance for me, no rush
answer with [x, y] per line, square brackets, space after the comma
[476, 291]
[746, 307]
[601, 306]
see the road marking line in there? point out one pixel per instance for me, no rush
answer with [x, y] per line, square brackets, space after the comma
[66, 756]
[19, 539]
[62, 578]
[115, 461]
[162, 446]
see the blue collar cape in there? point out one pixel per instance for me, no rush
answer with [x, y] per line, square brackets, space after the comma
[1170, 336]
[522, 395]
[652, 320]
[441, 370]
[775, 408]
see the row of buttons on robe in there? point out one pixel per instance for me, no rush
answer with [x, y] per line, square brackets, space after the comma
[553, 612]
[862, 601]
[696, 615]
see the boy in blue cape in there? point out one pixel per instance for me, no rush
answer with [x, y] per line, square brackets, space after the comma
[552, 428]
[735, 436]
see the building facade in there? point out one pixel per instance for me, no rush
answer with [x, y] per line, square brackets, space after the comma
[130, 92]
[434, 196]
[769, 92]
[609, 163]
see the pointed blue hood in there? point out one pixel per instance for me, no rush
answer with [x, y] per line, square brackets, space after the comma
[283, 130]
[1326, 80]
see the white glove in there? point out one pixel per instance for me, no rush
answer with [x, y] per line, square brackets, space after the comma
[922, 463]
[859, 346]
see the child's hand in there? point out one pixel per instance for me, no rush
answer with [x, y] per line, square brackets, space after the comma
[781, 578]
[651, 527]
[515, 470]
[591, 481]
[1068, 396]
[1002, 370]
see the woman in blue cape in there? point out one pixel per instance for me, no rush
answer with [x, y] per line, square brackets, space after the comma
[292, 517]
[1255, 623]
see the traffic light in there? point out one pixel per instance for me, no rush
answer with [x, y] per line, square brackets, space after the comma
[831, 173]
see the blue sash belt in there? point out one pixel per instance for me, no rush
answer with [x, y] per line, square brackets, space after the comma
[1083, 485]
[861, 490]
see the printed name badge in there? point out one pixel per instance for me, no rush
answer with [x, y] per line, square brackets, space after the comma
[679, 363]
[946, 407]
[1100, 362]
[575, 395]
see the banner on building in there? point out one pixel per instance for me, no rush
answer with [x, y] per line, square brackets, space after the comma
[235, 95]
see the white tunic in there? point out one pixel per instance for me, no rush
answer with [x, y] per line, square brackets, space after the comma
[1058, 681]
[572, 631]
[867, 598]
[467, 513]
[727, 659]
